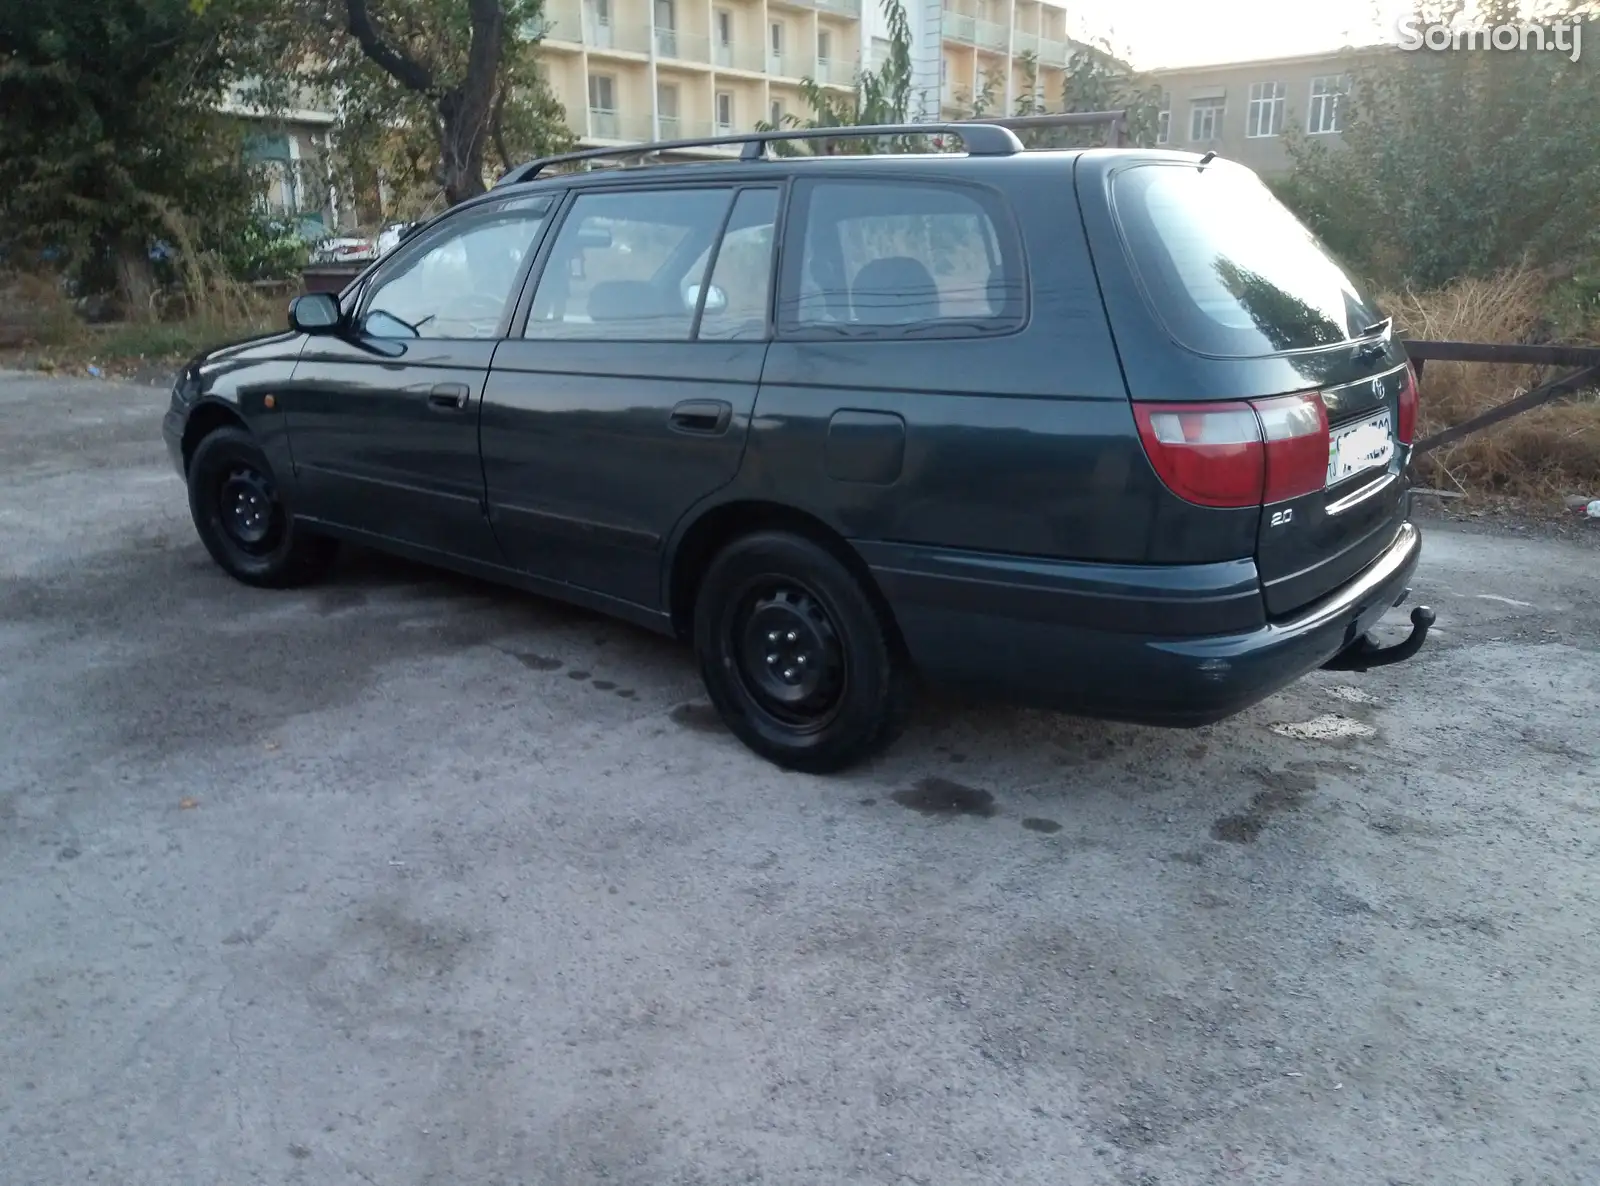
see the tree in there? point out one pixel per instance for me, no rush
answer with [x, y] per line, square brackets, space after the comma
[881, 96]
[1459, 162]
[111, 137]
[430, 91]
[1099, 79]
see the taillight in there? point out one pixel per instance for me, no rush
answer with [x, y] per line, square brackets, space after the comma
[1405, 429]
[1238, 454]
[1295, 429]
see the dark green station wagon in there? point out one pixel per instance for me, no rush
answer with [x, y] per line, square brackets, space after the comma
[1103, 430]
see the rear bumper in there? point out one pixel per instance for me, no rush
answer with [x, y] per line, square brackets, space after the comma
[1146, 649]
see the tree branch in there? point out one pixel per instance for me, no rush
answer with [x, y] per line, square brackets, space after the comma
[401, 66]
[497, 126]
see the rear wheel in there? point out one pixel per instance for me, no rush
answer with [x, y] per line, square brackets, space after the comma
[796, 655]
[241, 519]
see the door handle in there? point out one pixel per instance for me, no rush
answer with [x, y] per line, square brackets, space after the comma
[708, 417]
[453, 396]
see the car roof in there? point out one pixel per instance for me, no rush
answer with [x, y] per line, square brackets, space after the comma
[1036, 162]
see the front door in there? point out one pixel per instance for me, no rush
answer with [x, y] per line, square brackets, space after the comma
[383, 417]
[628, 394]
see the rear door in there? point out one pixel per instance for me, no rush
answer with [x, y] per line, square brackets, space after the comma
[626, 396]
[1218, 293]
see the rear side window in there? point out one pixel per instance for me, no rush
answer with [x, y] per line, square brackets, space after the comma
[886, 259]
[1229, 269]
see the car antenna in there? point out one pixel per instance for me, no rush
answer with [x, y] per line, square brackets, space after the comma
[1208, 158]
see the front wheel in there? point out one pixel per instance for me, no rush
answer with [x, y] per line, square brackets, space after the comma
[243, 522]
[797, 656]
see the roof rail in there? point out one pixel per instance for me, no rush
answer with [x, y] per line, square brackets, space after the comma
[982, 138]
[1117, 121]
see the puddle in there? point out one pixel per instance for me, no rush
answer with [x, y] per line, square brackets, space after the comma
[942, 797]
[702, 718]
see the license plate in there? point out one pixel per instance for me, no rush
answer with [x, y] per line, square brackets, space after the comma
[1358, 447]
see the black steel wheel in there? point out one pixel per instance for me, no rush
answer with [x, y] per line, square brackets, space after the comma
[242, 519]
[797, 654]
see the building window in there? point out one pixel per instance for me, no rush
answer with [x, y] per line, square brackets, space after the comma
[602, 92]
[725, 111]
[724, 27]
[775, 113]
[1327, 96]
[777, 39]
[1163, 127]
[880, 54]
[824, 45]
[1265, 116]
[1205, 120]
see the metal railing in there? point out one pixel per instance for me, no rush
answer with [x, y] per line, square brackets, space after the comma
[684, 47]
[1584, 374]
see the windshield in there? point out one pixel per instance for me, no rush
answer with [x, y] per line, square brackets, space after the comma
[1229, 269]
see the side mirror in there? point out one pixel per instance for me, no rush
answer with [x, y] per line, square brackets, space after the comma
[314, 313]
[716, 299]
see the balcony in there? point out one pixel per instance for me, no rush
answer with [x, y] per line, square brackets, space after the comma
[960, 27]
[1025, 43]
[737, 57]
[990, 35]
[789, 65]
[608, 36]
[682, 47]
[831, 73]
[1053, 53]
[562, 21]
[604, 125]
[845, 8]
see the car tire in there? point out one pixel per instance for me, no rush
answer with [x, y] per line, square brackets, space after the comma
[243, 522]
[797, 655]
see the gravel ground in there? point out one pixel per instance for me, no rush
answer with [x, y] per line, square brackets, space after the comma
[406, 879]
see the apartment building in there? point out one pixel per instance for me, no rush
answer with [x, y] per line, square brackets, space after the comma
[1241, 110]
[1001, 51]
[639, 70]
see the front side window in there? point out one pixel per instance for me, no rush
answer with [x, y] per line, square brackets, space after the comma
[1265, 115]
[903, 259]
[457, 284]
[627, 266]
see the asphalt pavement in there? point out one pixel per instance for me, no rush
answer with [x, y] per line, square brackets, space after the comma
[406, 879]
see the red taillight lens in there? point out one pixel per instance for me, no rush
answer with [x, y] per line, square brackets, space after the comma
[1405, 430]
[1238, 454]
[1207, 453]
[1295, 429]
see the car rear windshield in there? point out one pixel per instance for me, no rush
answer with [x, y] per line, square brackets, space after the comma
[1229, 269]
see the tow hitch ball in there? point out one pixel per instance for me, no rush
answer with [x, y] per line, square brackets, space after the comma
[1366, 652]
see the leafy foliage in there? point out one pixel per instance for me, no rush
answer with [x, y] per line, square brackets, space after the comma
[433, 95]
[1461, 162]
[110, 137]
[881, 96]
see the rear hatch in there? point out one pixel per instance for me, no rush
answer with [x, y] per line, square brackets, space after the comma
[1251, 314]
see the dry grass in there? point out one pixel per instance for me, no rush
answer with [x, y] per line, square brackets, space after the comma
[41, 329]
[1542, 455]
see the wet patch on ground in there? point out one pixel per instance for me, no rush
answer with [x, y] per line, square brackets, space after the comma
[699, 717]
[1286, 789]
[943, 798]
